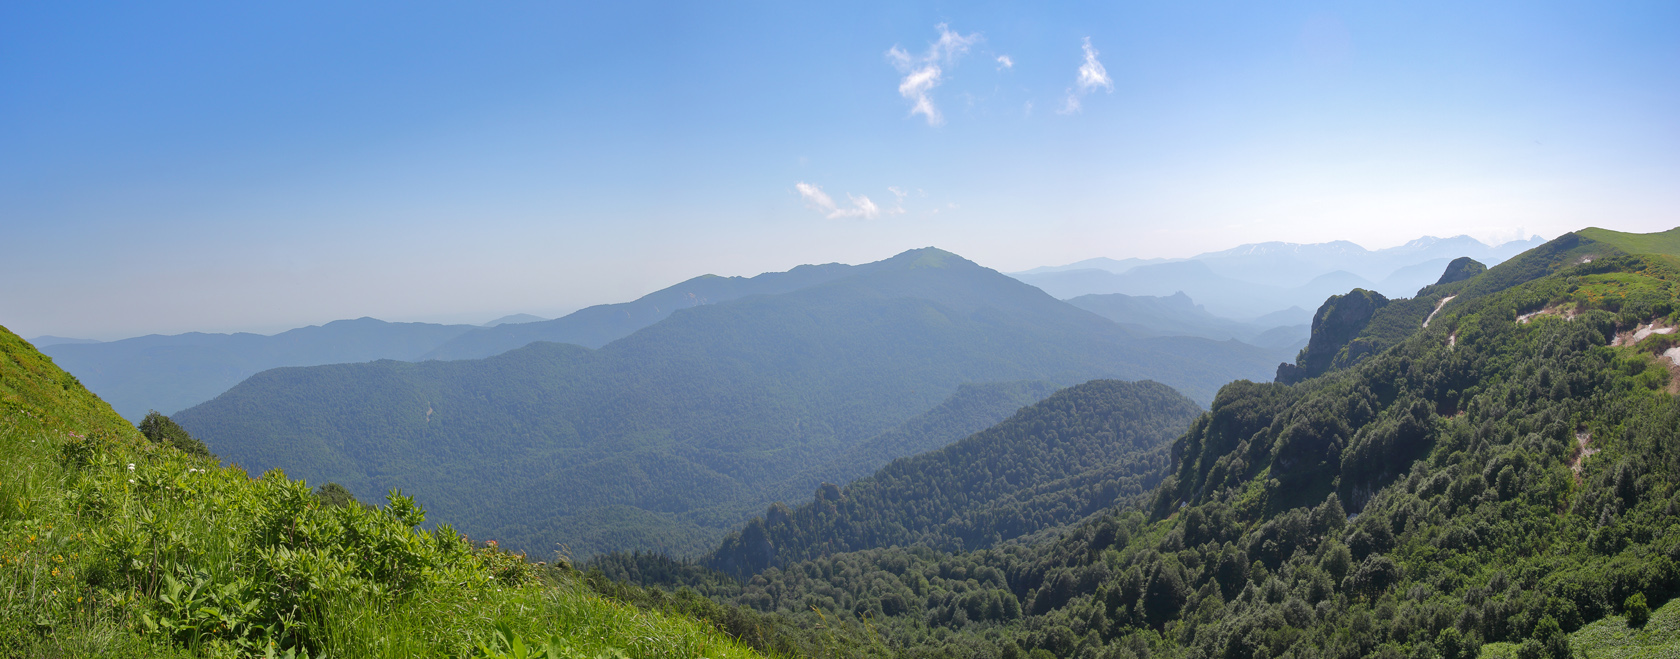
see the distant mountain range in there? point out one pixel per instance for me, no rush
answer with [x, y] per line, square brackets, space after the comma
[50, 340]
[1178, 315]
[673, 434]
[515, 319]
[170, 373]
[1251, 280]
[1224, 296]
[599, 325]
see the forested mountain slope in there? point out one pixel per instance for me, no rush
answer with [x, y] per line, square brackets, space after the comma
[1511, 473]
[670, 436]
[1050, 464]
[973, 408]
[171, 373]
[112, 545]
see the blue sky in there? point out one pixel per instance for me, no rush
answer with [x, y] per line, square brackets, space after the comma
[168, 167]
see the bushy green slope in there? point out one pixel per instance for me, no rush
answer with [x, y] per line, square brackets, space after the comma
[696, 420]
[112, 545]
[1050, 464]
[1511, 478]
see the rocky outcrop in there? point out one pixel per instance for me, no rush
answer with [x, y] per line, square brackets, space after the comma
[1338, 321]
[1460, 269]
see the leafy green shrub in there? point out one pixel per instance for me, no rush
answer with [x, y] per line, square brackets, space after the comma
[1638, 612]
[161, 430]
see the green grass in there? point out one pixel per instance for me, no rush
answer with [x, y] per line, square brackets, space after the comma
[111, 545]
[1611, 638]
[1499, 651]
[1666, 243]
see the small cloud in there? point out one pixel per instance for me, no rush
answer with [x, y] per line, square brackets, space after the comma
[814, 196]
[898, 200]
[861, 207]
[1092, 75]
[819, 201]
[1004, 62]
[923, 73]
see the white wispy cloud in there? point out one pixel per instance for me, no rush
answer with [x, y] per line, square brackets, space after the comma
[1005, 62]
[814, 196]
[898, 202]
[817, 200]
[924, 72]
[1092, 75]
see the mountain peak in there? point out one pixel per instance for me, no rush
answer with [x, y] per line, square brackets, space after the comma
[928, 257]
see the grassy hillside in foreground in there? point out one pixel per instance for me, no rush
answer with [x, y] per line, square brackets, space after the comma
[113, 546]
[670, 437]
[1513, 474]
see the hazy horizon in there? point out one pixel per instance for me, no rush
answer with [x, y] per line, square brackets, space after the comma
[246, 168]
[479, 318]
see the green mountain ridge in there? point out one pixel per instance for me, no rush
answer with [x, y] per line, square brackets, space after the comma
[1048, 465]
[973, 408]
